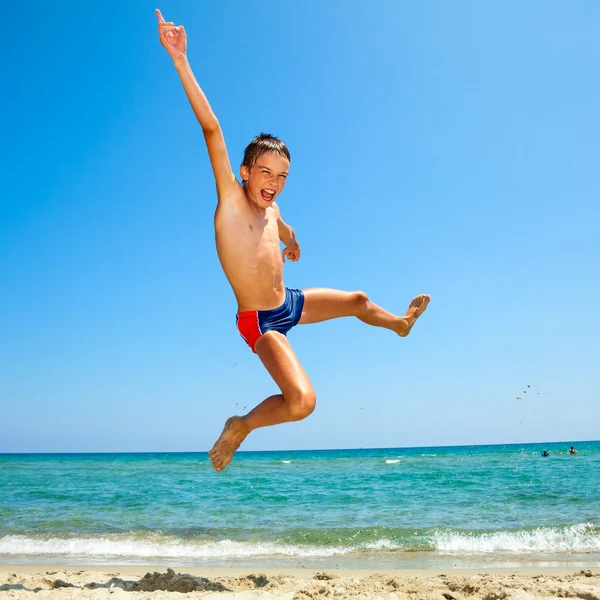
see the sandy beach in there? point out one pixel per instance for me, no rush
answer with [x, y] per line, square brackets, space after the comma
[60, 583]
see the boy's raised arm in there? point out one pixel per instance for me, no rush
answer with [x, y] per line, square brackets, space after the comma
[174, 40]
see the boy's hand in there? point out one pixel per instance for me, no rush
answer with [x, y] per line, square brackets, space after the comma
[291, 252]
[172, 38]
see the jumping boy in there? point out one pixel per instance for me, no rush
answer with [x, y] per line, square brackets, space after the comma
[248, 231]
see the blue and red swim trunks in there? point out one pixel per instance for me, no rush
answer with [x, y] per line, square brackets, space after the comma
[253, 324]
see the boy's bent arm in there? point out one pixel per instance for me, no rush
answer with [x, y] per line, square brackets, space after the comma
[288, 236]
[174, 40]
[213, 136]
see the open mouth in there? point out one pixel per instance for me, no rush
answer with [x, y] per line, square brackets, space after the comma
[267, 194]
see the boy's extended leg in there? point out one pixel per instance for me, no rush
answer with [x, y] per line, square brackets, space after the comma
[321, 304]
[296, 401]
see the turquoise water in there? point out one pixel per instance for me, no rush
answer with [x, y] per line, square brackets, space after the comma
[392, 508]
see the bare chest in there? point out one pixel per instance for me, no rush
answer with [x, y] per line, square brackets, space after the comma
[244, 232]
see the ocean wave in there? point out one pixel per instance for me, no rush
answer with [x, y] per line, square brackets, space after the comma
[583, 537]
[133, 547]
[391, 461]
[161, 546]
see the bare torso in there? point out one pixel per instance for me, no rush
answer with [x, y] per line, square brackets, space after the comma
[248, 247]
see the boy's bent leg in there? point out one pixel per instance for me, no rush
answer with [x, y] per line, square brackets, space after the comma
[296, 401]
[322, 304]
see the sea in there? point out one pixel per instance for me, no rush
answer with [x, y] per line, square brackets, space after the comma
[386, 508]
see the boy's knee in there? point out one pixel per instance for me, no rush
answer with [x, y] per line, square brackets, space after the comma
[360, 300]
[301, 404]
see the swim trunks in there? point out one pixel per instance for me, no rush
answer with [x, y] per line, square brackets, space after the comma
[253, 324]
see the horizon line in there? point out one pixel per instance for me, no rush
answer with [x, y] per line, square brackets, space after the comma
[302, 450]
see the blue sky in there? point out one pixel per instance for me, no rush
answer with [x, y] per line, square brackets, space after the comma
[441, 148]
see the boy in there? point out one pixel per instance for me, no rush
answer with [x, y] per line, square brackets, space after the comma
[249, 228]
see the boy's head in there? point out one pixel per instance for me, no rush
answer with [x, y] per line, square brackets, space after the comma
[264, 169]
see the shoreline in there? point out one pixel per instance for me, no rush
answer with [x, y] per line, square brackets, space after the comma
[407, 562]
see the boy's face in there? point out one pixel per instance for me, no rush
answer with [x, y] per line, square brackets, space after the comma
[265, 180]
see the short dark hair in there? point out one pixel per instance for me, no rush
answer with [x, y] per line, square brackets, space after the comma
[262, 144]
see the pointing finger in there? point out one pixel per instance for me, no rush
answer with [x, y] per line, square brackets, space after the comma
[159, 15]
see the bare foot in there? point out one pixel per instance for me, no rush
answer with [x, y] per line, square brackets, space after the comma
[233, 434]
[415, 310]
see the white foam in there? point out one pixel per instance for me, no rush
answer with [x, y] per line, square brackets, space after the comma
[583, 537]
[382, 544]
[390, 461]
[130, 546]
[286, 462]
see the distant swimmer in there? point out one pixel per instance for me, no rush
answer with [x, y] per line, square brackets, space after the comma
[248, 232]
[572, 450]
[545, 453]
